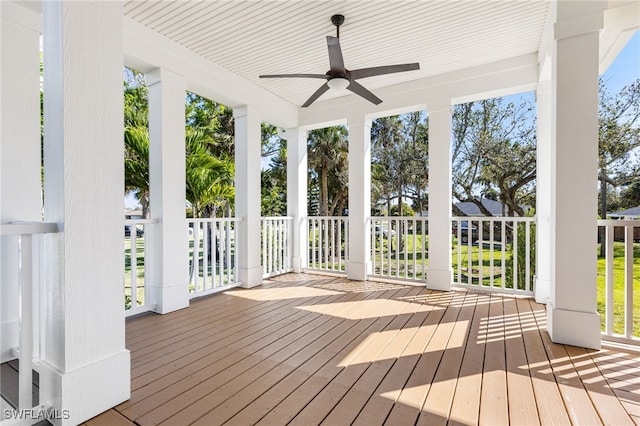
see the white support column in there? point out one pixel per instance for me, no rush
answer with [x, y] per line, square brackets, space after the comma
[297, 194]
[20, 192]
[248, 142]
[359, 265]
[542, 287]
[440, 271]
[168, 239]
[572, 317]
[86, 367]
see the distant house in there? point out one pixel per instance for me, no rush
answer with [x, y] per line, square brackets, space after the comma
[133, 214]
[632, 213]
[496, 208]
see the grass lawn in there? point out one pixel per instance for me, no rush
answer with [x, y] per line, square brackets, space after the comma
[618, 288]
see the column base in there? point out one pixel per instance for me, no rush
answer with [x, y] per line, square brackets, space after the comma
[542, 290]
[85, 392]
[574, 328]
[169, 299]
[9, 332]
[250, 277]
[297, 264]
[439, 279]
[358, 271]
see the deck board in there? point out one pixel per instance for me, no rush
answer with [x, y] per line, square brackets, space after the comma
[310, 349]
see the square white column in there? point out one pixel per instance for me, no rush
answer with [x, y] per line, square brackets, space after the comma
[86, 367]
[542, 287]
[248, 197]
[359, 264]
[440, 271]
[297, 170]
[20, 191]
[572, 317]
[168, 239]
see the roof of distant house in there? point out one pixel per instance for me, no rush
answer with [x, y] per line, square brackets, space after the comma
[632, 212]
[496, 208]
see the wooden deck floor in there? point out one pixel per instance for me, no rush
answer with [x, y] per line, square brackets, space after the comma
[310, 349]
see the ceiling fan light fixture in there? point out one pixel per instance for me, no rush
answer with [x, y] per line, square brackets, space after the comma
[338, 83]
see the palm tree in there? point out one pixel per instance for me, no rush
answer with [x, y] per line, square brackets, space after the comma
[208, 179]
[328, 159]
[136, 164]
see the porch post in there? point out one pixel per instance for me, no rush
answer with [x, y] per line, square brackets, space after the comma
[86, 367]
[248, 141]
[440, 271]
[168, 238]
[297, 195]
[359, 264]
[571, 313]
[20, 192]
[542, 286]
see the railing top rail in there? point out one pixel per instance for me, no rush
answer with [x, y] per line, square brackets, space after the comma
[398, 217]
[327, 217]
[495, 218]
[616, 222]
[276, 218]
[214, 219]
[28, 228]
[140, 221]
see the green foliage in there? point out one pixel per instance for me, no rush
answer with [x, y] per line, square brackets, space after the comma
[494, 151]
[328, 158]
[399, 161]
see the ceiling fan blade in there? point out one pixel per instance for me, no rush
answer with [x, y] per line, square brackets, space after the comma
[359, 89]
[316, 95]
[388, 69]
[294, 76]
[336, 63]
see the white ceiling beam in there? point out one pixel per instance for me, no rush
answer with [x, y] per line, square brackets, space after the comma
[500, 78]
[620, 23]
[145, 49]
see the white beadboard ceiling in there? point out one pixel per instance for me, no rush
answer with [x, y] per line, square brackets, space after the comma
[254, 37]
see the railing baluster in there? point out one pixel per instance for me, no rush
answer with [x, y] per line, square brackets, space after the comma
[133, 258]
[514, 236]
[609, 234]
[492, 225]
[628, 281]
[527, 255]
[26, 322]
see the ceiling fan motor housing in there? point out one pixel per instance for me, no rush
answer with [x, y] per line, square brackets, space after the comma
[337, 20]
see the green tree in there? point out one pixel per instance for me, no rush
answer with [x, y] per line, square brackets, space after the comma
[494, 150]
[328, 158]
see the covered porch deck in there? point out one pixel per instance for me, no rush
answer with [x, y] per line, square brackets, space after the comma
[311, 349]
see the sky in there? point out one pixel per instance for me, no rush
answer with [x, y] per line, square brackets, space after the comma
[624, 69]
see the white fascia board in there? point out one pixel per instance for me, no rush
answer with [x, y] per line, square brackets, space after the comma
[514, 75]
[145, 50]
[620, 23]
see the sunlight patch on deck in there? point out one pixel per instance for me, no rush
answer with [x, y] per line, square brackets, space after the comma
[265, 294]
[363, 309]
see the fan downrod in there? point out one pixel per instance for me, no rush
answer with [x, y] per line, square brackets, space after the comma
[337, 20]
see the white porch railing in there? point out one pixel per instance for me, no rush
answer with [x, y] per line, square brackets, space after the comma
[276, 249]
[619, 281]
[399, 247]
[136, 290]
[328, 243]
[30, 254]
[494, 253]
[212, 248]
